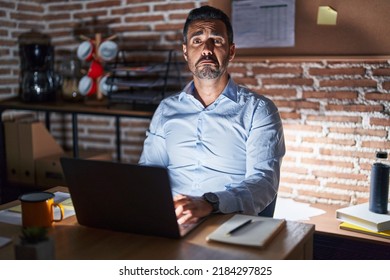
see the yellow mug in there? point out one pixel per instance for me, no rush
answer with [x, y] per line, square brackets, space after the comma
[38, 209]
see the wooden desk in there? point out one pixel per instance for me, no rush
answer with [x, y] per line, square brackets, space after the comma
[331, 242]
[78, 242]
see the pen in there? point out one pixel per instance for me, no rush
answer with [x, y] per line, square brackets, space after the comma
[239, 227]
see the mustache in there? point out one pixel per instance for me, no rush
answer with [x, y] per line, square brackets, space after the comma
[207, 57]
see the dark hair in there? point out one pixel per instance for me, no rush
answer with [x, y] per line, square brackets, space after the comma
[205, 13]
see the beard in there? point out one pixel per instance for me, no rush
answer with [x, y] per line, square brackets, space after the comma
[209, 71]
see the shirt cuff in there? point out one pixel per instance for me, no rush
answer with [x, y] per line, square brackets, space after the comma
[227, 202]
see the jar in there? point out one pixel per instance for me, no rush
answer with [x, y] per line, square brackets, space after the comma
[71, 75]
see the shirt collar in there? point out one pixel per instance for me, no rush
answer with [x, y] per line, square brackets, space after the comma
[188, 89]
[230, 91]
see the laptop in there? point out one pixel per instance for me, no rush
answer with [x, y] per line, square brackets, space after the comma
[122, 197]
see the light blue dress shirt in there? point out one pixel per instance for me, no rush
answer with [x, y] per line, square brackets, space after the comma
[233, 147]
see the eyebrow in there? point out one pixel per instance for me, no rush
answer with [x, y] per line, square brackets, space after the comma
[200, 32]
[196, 33]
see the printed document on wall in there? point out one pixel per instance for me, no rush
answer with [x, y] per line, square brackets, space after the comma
[263, 23]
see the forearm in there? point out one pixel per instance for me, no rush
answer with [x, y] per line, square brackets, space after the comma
[253, 194]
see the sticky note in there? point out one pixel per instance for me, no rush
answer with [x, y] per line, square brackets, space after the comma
[326, 16]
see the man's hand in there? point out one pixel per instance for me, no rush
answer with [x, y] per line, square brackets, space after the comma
[190, 208]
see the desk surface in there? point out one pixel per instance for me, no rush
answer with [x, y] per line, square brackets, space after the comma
[327, 224]
[78, 242]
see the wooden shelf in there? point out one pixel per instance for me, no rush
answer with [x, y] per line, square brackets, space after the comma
[92, 107]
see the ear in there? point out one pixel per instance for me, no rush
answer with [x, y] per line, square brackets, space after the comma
[232, 52]
[185, 51]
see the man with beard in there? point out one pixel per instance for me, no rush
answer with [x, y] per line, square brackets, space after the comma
[222, 144]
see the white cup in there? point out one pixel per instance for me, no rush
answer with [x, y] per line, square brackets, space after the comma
[87, 86]
[85, 51]
[108, 50]
[105, 88]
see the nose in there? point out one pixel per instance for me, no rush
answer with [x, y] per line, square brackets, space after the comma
[208, 48]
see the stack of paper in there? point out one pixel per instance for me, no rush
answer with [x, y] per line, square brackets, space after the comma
[351, 227]
[359, 218]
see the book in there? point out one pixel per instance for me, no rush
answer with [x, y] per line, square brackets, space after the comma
[351, 227]
[247, 230]
[360, 215]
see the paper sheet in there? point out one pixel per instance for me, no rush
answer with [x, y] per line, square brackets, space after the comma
[4, 241]
[263, 23]
[295, 211]
[10, 217]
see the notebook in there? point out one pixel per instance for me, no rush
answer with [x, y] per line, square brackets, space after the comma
[122, 197]
[247, 230]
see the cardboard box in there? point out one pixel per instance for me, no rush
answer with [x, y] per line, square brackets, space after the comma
[12, 143]
[35, 141]
[11, 135]
[48, 170]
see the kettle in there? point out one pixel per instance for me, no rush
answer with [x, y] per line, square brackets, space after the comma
[37, 81]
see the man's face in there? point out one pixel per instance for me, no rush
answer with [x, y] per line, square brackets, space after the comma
[207, 50]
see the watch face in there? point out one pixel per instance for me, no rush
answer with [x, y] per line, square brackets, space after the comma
[211, 197]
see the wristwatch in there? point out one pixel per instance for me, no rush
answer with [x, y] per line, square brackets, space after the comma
[213, 199]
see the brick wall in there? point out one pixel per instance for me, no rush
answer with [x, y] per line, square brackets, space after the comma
[336, 115]
[335, 110]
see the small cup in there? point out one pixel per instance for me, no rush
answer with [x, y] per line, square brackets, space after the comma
[38, 209]
[95, 69]
[87, 86]
[86, 50]
[108, 50]
[105, 88]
